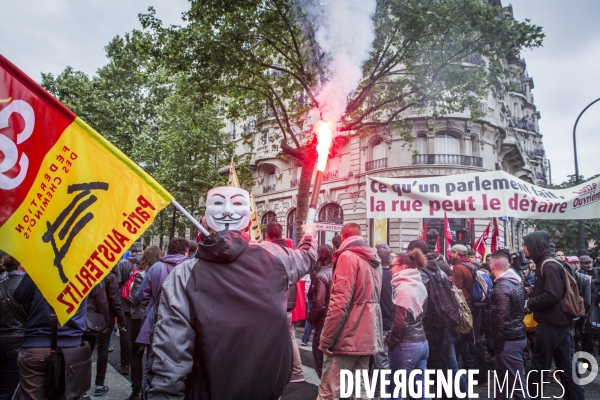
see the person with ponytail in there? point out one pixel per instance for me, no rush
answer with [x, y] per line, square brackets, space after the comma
[407, 341]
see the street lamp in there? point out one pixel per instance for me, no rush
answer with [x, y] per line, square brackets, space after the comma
[580, 222]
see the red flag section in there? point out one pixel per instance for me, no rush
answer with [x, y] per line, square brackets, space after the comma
[448, 236]
[481, 244]
[30, 125]
[495, 246]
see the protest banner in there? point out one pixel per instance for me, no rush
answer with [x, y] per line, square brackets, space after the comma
[479, 195]
[70, 202]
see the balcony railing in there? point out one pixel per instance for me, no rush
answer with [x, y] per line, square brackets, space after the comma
[268, 189]
[523, 123]
[376, 164]
[330, 175]
[294, 183]
[447, 159]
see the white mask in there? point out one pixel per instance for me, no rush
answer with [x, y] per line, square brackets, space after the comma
[228, 208]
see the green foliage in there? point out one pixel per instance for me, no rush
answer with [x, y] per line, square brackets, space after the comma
[565, 233]
[261, 59]
[137, 105]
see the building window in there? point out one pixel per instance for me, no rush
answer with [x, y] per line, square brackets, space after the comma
[232, 130]
[296, 172]
[378, 155]
[468, 147]
[291, 224]
[330, 213]
[446, 143]
[267, 217]
[422, 144]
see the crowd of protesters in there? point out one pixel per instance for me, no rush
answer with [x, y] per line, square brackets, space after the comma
[218, 319]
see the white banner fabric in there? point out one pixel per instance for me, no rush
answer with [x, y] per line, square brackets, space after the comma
[479, 195]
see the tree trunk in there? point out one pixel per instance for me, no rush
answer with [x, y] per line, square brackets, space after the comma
[307, 156]
[304, 192]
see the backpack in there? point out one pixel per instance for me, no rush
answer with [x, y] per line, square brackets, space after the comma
[466, 319]
[127, 286]
[572, 303]
[481, 291]
[446, 309]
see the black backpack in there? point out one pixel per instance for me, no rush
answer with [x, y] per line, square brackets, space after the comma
[444, 302]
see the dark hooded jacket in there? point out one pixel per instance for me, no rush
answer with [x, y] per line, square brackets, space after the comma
[354, 325]
[221, 327]
[549, 286]
[507, 309]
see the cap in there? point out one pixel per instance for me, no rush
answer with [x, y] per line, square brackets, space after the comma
[460, 249]
[585, 259]
[572, 259]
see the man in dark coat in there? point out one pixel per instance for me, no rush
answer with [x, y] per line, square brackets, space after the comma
[273, 234]
[553, 333]
[221, 327]
[124, 269]
[506, 325]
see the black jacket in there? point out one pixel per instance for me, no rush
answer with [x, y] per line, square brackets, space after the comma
[387, 305]
[320, 300]
[433, 320]
[12, 315]
[37, 329]
[406, 328]
[123, 270]
[549, 287]
[507, 309]
[113, 295]
[98, 302]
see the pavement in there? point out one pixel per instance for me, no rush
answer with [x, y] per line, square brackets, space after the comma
[120, 385]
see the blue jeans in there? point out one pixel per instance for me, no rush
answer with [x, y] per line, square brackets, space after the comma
[307, 326]
[410, 356]
[449, 357]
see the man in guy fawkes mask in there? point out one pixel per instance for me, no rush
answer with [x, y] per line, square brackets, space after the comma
[221, 329]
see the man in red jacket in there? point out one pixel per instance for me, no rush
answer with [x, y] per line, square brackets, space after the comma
[352, 331]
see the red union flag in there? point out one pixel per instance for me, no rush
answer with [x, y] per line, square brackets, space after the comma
[70, 202]
[481, 243]
[495, 246]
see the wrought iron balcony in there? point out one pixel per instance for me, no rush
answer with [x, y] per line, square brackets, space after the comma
[376, 164]
[294, 183]
[523, 123]
[517, 86]
[268, 189]
[330, 175]
[447, 159]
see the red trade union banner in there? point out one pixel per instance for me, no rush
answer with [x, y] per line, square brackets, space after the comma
[70, 202]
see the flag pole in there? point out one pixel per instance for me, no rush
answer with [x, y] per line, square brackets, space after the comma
[192, 219]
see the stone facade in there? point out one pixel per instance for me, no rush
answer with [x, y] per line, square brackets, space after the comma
[507, 137]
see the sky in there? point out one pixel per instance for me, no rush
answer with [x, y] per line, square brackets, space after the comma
[48, 35]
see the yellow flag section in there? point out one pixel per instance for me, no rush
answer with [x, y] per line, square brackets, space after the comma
[87, 205]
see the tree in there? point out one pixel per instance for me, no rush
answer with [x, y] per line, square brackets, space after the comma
[565, 232]
[262, 59]
[137, 105]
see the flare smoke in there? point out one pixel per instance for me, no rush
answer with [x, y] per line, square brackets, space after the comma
[345, 33]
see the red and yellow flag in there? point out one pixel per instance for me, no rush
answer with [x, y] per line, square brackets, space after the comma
[70, 202]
